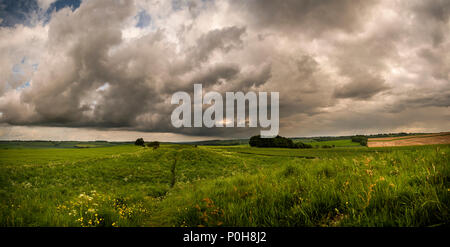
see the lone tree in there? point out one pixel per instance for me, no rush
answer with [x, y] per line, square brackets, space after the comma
[139, 142]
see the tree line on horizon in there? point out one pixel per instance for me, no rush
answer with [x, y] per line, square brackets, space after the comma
[278, 141]
[141, 142]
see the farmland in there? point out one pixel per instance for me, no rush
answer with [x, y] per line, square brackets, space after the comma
[184, 185]
[415, 140]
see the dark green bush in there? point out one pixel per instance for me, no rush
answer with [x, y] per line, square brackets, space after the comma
[303, 145]
[153, 145]
[278, 141]
[139, 142]
[360, 139]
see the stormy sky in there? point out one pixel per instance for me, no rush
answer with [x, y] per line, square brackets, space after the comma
[106, 69]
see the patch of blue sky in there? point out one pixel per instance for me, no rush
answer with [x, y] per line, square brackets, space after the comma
[177, 5]
[14, 12]
[17, 69]
[60, 4]
[144, 19]
[24, 12]
[18, 72]
[23, 86]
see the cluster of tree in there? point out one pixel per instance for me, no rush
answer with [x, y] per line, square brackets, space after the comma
[390, 135]
[360, 139]
[153, 145]
[329, 138]
[140, 142]
[278, 141]
[219, 142]
[302, 145]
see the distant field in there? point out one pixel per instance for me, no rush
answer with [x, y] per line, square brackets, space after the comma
[336, 143]
[438, 138]
[56, 144]
[180, 185]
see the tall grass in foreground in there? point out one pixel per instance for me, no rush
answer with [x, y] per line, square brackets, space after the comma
[383, 189]
[178, 185]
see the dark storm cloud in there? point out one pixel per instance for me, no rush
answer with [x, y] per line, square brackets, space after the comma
[439, 63]
[82, 68]
[304, 85]
[217, 40]
[434, 14]
[362, 89]
[98, 66]
[223, 40]
[440, 99]
[216, 73]
[141, 76]
[252, 79]
[306, 15]
[417, 100]
[438, 10]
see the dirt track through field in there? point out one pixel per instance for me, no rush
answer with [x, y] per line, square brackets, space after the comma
[439, 138]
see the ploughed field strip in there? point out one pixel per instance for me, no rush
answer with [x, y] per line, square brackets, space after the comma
[438, 138]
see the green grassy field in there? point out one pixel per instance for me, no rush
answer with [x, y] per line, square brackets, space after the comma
[336, 143]
[180, 185]
[56, 144]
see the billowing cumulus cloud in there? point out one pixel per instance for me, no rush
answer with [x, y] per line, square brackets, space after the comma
[341, 67]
